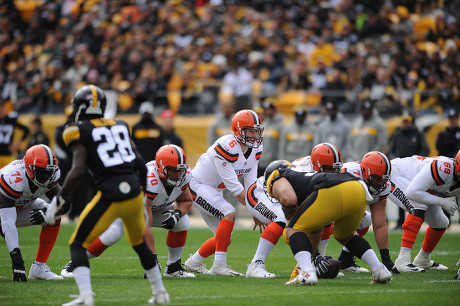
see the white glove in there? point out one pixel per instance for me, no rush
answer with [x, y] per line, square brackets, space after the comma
[52, 210]
[449, 205]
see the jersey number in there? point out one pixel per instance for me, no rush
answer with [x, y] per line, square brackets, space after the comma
[116, 142]
[6, 131]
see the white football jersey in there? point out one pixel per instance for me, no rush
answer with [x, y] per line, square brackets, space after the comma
[15, 184]
[156, 191]
[434, 175]
[303, 164]
[354, 168]
[224, 162]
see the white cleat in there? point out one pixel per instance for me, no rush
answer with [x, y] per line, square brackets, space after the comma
[424, 261]
[81, 300]
[457, 276]
[42, 271]
[226, 270]
[195, 266]
[355, 268]
[340, 275]
[382, 275]
[257, 270]
[304, 278]
[67, 270]
[176, 270]
[403, 264]
[160, 297]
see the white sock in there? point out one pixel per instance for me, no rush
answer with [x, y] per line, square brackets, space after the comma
[370, 258]
[174, 254]
[322, 246]
[423, 253]
[220, 257]
[304, 260]
[154, 277]
[263, 249]
[83, 279]
[197, 257]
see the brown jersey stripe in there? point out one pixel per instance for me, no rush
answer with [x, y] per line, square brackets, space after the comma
[226, 155]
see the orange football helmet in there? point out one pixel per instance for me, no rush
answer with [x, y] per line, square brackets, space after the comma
[41, 165]
[376, 170]
[457, 164]
[326, 157]
[171, 163]
[247, 128]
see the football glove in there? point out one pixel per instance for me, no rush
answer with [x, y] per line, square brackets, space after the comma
[321, 264]
[37, 216]
[19, 271]
[449, 205]
[55, 205]
[172, 218]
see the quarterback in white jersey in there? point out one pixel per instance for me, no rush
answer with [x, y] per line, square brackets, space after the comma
[22, 185]
[168, 201]
[231, 156]
[431, 185]
[374, 167]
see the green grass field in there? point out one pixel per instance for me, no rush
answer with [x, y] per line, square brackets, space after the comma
[117, 276]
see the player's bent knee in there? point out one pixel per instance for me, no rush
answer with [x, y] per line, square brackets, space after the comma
[182, 225]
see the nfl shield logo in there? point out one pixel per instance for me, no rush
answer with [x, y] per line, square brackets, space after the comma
[224, 164]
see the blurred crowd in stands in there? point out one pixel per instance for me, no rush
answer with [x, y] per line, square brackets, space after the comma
[189, 55]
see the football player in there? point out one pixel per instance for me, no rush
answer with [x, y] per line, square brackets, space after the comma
[326, 158]
[104, 146]
[168, 201]
[375, 170]
[231, 156]
[431, 184]
[22, 183]
[313, 200]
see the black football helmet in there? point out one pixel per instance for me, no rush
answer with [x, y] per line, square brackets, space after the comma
[273, 172]
[89, 102]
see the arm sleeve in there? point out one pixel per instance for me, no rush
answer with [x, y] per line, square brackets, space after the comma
[228, 176]
[417, 189]
[8, 217]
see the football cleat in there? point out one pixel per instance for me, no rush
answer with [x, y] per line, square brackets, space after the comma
[340, 275]
[160, 297]
[304, 278]
[176, 270]
[67, 270]
[382, 275]
[353, 268]
[403, 263]
[81, 300]
[424, 261]
[194, 266]
[42, 271]
[223, 269]
[457, 276]
[257, 270]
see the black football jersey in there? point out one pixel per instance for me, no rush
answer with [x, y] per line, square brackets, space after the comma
[110, 155]
[7, 126]
[305, 183]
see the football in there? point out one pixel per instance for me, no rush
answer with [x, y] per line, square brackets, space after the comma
[332, 269]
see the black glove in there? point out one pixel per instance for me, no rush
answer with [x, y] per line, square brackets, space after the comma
[390, 266]
[321, 264]
[172, 218]
[37, 216]
[19, 271]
